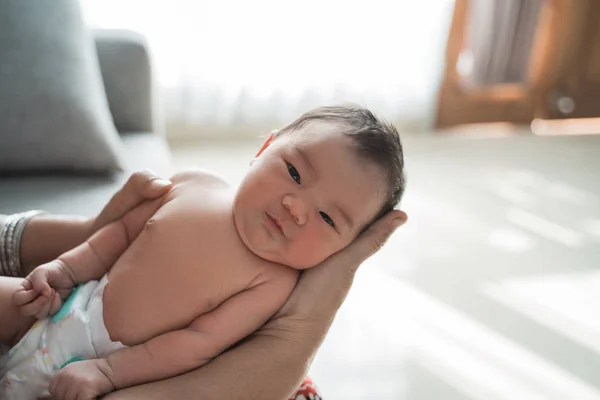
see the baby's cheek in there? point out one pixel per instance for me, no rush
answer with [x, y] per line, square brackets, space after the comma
[311, 249]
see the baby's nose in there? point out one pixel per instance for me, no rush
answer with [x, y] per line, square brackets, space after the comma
[296, 208]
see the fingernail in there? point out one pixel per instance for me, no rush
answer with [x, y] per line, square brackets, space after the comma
[161, 183]
[396, 222]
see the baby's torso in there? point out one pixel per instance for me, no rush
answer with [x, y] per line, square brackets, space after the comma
[187, 260]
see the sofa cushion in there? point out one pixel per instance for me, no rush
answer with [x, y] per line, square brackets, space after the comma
[83, 195]
[128, 80]
[53, 109]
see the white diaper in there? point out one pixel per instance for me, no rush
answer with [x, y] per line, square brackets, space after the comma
[76, 332]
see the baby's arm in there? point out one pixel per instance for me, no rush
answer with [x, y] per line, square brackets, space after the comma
[179, 351]
[93, 258]
[90, 260]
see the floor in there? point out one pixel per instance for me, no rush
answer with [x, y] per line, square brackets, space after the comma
[491, 291]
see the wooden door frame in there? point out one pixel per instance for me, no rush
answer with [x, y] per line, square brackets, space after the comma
[551, 59]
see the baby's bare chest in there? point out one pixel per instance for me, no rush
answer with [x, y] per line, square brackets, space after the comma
[187, 261]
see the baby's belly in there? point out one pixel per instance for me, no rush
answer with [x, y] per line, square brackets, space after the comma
[145, 299]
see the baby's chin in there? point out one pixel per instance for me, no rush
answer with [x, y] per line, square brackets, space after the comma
[299, 264]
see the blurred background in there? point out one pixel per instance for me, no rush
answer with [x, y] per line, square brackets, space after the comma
[231, 67]
[492, 290]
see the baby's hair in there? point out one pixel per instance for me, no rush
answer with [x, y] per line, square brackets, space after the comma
[374, 140]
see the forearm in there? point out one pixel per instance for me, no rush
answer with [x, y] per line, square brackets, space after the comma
[266, 367]
[94, 257]
[270, 365]
[47, 236]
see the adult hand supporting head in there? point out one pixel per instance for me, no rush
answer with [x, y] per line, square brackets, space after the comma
[321, 290]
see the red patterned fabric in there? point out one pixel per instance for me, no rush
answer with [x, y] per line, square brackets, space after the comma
[307, 391]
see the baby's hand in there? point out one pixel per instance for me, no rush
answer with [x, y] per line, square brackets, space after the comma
[43, 290]
[82, 380]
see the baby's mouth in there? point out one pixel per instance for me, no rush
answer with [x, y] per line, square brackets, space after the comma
[275, 224]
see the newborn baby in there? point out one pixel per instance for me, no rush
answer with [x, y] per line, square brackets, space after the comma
[180, 279]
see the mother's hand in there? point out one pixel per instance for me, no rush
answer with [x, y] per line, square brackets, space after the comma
[305, 318]
[322, 289]
[141, 186]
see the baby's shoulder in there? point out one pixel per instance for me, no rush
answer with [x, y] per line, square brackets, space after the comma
[284, 276]
[198, 177]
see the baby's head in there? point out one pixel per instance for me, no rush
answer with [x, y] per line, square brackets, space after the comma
[317, 184]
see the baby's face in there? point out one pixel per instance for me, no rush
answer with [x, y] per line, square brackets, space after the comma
[306, 197]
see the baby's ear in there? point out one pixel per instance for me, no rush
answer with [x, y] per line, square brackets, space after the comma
[265, 144]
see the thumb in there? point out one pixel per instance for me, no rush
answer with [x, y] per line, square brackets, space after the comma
[373, 239]
[142, 185]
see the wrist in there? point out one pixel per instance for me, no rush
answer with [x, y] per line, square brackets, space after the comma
[106, 369]
[46, 237]
[11, 232]
[64, 271]
[319, 294]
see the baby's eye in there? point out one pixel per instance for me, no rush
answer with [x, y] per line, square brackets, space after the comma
[327, 219]
[293, 173]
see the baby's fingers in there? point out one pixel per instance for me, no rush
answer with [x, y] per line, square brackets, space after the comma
[23, 296]
[43, 312]
[57, 388]
[26, 284]
[41, 286]
[56, 304]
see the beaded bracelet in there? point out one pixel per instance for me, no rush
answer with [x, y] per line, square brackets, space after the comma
[10, 242]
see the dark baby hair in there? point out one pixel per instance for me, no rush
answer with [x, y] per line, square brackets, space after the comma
[374, 140]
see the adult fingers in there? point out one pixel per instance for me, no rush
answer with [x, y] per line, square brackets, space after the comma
[142, 185]
[57, 386]
[322, 289]
[26, 284]
[34, 307]
[72, 391]
[23, 296]
[373, 239]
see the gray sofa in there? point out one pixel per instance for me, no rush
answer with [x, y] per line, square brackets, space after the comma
[126, 70]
